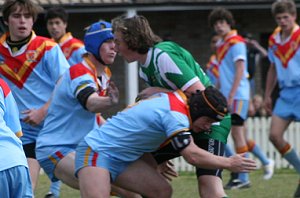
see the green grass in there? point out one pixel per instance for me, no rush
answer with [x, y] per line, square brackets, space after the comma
[282, 185]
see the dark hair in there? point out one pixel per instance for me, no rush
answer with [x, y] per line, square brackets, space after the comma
[57, 12]
[10, 6]
[284, 6]
[136, 32]
[220, 14]
[210, 102]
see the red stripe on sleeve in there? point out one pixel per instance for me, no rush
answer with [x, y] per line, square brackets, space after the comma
[5, 87]
[78, 70]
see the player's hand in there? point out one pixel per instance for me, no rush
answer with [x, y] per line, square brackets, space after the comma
[241, 164]
[149, 91]
[113, 93]
[268, 105]
[167, 170]
[34, 116]
[230, 101]
[251, 109]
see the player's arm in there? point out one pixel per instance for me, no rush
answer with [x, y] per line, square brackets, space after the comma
[36, 116]
[261, 50]
[149, 91]
[93, 102]
[270, 84]
[96, 103]
[183, 142]
[193, 88]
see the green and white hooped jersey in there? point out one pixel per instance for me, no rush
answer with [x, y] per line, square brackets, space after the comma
[170, 66]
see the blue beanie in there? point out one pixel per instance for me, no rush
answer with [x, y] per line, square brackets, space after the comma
[96, 35]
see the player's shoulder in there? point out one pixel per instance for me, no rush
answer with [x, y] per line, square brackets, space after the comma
[43, 41]
[178, 102]
[78, 70]
[76, 40]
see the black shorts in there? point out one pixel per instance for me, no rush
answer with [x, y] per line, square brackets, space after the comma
[213, 146]
[237, 120]
[29, 150]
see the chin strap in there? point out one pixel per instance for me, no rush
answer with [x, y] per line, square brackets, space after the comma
[100, 60]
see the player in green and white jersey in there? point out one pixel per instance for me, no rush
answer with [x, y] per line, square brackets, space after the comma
[167, 66]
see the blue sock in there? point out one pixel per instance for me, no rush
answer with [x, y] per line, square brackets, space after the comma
[228, 151]
[244, 177]
[55, 188]
[293, 159]
[260, 155]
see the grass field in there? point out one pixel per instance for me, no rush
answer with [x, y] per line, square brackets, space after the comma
[282, 185]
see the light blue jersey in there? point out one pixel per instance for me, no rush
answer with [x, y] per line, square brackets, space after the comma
[67, 121]
[12, 153]
[32, 73]
[141, 128]
[14, 173]
[230, 50]
[11, 112]
[285, 55]
[72, 48]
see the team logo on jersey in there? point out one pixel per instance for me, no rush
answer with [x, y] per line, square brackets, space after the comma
[67, 51]
[294, 45]
[31, 55]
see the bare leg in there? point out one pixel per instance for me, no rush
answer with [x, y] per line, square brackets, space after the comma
[145, 180]
[34, 169]
[65, 170]
[124, 193]
[278, 127]
[210, 186]
[88, 177]
[238, 136]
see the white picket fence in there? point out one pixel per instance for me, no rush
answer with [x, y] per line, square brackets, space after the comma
[258, 130]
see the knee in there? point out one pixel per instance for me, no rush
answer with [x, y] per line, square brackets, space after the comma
[273, 138]
[94, 193]
[212, 187]
[216, 193]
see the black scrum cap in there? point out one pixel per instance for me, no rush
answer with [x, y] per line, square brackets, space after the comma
[210, 102]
